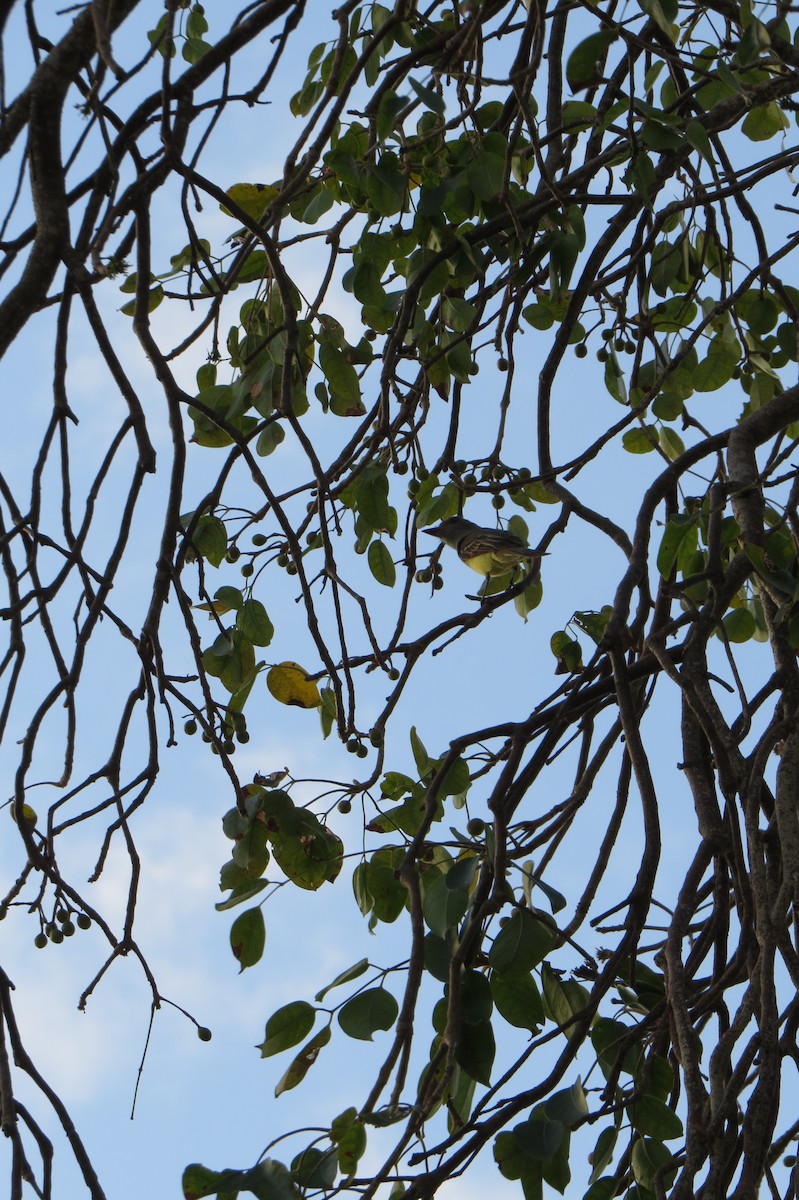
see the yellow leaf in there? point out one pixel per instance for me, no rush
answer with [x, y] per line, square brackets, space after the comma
[289, 684]
[29, 815]
[252, 197]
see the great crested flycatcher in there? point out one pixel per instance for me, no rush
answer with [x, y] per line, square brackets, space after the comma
[486, 551]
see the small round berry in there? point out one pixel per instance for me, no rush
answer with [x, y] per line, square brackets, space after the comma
[344, 807]
[190, 728]
[84, 921]
[393, 673]
[581, 350]
[247, 570]
[476, 827]
[204, 1033]
[362, 751]
[352, 746]
[259, 539]
[498, 502]
[233, 554]
[40, 941]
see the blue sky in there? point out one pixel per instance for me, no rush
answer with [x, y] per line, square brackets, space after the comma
[214, 1102]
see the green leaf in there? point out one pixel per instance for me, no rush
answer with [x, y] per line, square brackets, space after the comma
[372, 501]
[443, 906]
[254, 623]
[348, 1134]
[198, 1182]
[652, 1117]
[608, 1037]
[664, 14]
[476, 997]
[210, 539]
[420, 756]
[437, 957]
[376, 886]
[563, 999]
[577, 115]
[347, 976]
[381, 564]
[518, 1000]
[521, 944]
[386, 187]
[780, 579]
[314, 1169]
[154, 298]
[250, 852]
[540, 316]
[321, 201]
[227, 599]
[476, 1050]
[539, 1137]
[602, 1154]
[391, 105]
[269, 439]
[328, 710]
[303, 1062]
[341, 376]
[231, 660]
[714, 371]
[614, 379]
[366, 1013]
[429, 98]
[486, 175]
[763, 122]
[648, 1158]
[248, 937]
[242, 892]
[671, 443]
[680, 526]
[739, 625]
[640, 439]
[656, 1076]
[568, 1105]
[585, 60]
[457, 313]
[287, 1027]
[307, 851]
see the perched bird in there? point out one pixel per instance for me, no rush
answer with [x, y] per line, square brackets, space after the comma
[487, 551]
